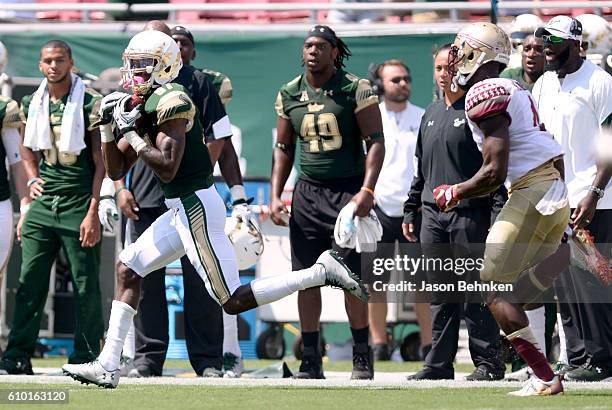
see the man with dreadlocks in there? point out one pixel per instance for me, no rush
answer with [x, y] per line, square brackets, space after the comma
[331, 112]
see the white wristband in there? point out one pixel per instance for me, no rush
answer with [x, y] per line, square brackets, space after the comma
[238, 193]
[24, 208]
[135, 140]
[106, 133]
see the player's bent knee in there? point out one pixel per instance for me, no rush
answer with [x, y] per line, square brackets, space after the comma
[126, 277]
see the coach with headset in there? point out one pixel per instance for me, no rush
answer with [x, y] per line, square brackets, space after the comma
[392, 81]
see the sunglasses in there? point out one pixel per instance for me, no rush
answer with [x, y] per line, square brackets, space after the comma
[397, 80]
[550, 39]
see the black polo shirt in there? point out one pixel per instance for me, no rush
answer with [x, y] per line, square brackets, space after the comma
[446, 154]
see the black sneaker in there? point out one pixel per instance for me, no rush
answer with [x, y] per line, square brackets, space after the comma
[312, 365]
[363, 362]
[587, 373]
[484, 374]
[20, 365]
[381, 352]
[428, 374]
[561, 368]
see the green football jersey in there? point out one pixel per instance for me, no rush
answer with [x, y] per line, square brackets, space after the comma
[170, 102]
[222, 84]
[65, 173]
[9, 118]
[331, 144]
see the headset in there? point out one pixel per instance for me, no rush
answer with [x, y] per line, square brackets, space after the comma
[374, 74]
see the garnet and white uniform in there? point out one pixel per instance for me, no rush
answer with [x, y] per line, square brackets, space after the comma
[531, 224]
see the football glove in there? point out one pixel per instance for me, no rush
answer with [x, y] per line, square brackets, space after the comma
[446, 197]
[345, 231]
[126, 120]
[369, 232]
[107, 106]
[107, 208]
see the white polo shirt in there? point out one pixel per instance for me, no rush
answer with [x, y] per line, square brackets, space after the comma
[401, 130]
[573, 110]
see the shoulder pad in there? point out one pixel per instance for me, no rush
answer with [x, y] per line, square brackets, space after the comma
[364, 95]
[486, 99]
[10, 113]
[169, 102]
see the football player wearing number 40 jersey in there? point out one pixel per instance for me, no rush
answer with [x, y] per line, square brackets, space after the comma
[331, 112]
[170, 142]
[523, 244]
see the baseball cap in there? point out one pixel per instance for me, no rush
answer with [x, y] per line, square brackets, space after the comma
[561, 26]
[182, 31]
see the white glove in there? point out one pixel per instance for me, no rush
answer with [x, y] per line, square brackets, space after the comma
[244, 212]
[107, 106]
[369, 232]
[345, 231]
[108, 214]
[126, 120]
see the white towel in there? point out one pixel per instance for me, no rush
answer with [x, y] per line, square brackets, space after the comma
[38, 130]
[554, 199]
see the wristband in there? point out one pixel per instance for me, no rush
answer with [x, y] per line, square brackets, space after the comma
[24, 208]
[597, 191]
[368, 190]
[121, 188]
[135, 141]
[238, 193]
[32, 181]
[106, 133]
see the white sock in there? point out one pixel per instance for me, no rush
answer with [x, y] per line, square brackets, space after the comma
[129, 346]
[562, 341]
[272, 288]
[121, 318]
[230, 335]
[537, 323]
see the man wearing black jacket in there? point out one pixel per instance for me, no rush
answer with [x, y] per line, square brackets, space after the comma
[445, 152]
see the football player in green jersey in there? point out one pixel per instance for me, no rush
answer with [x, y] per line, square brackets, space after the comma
[9, 152]
[169, 140]
[331, 112]
[64, 185]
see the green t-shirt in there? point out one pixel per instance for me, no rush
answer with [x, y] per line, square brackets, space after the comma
[517, 75]
[64, 173]
[195, 172]
[9, 118]
[222, 84]
[331, 144]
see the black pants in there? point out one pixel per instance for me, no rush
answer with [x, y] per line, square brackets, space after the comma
[203, 318]
[459, 226]
[588, 326]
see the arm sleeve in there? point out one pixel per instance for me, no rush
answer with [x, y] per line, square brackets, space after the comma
[10, 140]
[413, 203]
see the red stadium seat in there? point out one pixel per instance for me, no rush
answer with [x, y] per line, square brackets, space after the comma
[566, 12]
[187, 15]
[238, 16]
[69, 15]
[299, 14]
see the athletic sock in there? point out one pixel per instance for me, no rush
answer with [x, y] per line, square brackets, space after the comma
[129, 346]
[537, 323]
[272, 288]
[562, 341]
[311, 339]
[121, 317]
[525, 345]
[360, 336]
[230, 335]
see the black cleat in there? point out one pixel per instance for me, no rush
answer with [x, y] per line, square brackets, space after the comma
[428, 374]
[363, 362]
[312, 365]
[19, 365]
[484, 374]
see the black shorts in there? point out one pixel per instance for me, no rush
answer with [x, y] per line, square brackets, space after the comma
[314, 209]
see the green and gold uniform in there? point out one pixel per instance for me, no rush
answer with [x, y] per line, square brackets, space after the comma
[517, 74]
[332, 159]
[54, 221]
[195, 172]
[222, 84]
[9, 118]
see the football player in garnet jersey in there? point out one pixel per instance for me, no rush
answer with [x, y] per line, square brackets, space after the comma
[518, 152]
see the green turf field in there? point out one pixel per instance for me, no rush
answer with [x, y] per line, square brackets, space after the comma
[207, 397]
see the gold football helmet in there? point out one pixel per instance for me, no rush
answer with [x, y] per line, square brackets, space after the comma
[476, 45]
[151, 59]
[596, 36]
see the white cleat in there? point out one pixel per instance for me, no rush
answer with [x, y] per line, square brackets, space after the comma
[521, 375]
[538, 387]
[233, 366]
[338, 275]
[92, 373]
